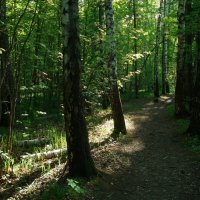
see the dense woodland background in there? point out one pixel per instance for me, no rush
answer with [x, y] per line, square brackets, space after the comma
[64, 60]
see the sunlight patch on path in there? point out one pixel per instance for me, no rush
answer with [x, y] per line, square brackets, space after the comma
[103, 131]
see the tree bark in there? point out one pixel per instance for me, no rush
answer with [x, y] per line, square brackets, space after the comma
[45, 155]
[180, 106]
[135, 49]
[105, 94]
[79, 158]
[33, 142]
[156, 83]
[165, 83]
[4, 74]
[188, 57]
[116, 106]
[194, 127]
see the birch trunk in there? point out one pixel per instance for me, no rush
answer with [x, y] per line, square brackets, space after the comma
[79, 159]
[165, 84]
[156, 83]
[135, 49]
[116, 106]
[44, 155]
[37, 142]
[101, 63]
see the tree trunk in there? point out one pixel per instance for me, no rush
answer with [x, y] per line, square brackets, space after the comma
[180, 106]
[165, 83]
[44, 155]
[33, 142]
[156, 83]
[79, 159]
[116, 106]
[135, 49]
[188, 62]
[35, 78]
[4, 84]
[194, 127]
[105, 94]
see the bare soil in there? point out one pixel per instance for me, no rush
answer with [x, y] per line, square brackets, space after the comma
[151, 162]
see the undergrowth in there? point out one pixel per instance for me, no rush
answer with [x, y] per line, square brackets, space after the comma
[194, 143]
[56, 191]
[182, 125]
[57, 141]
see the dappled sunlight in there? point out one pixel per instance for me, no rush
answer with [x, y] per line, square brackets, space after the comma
[39, 183]
[164, 98]
[103, 131]
[150, 103]
[146, 160]
[133, 118]
[135, 146]
[102, 89]
[114, 157]
[130, 125]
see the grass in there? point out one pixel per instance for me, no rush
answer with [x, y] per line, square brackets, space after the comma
[182, 125]
[170, 110]
[56, 191]
[126, 96]
[58, 140]
[193, 143]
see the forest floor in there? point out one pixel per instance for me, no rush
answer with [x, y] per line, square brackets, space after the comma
[152, 162]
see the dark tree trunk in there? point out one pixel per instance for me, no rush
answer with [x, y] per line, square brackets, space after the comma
[79, 159]
[188, 62]
[180, 105]
[116, 106]
[4, 75]
[167, 87]
[194, 127]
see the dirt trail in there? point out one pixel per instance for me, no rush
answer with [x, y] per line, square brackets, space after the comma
[151, 163]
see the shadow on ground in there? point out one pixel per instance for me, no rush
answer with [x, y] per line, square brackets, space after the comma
[150, 163]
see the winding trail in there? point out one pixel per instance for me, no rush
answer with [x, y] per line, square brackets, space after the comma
[151, 163]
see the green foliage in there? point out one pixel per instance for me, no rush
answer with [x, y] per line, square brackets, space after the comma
[182, 125]
[40, 77]
[58, 139]
[54, 192]
[74, 189]
[3, 131]
[120, 137]
[57, 191]
[6, 162]
[170, 110]
[27, 165]
[193, 143]
[126, 96]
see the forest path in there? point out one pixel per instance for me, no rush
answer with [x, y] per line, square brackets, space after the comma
[151, 162]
